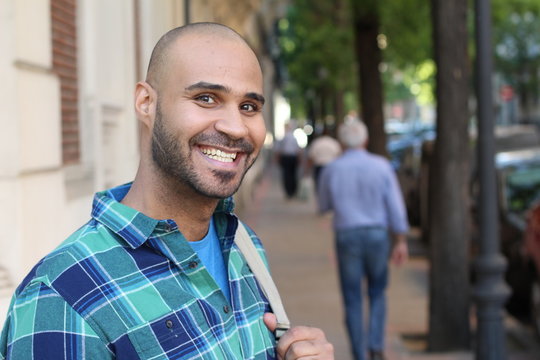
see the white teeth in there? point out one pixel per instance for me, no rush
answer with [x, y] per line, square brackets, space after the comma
[219, 155]
[219, 158]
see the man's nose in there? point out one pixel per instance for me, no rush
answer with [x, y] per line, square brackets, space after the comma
[231, 123]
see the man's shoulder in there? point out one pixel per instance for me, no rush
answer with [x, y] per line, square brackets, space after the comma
[350, 160]
[84, 243]
[339, 162]
[254, 237]
[379, 159]
[365, 158]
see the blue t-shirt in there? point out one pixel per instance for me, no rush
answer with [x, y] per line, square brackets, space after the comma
[209, 251]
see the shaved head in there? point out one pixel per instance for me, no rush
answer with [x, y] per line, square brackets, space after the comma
[203, 96]
[158, 65]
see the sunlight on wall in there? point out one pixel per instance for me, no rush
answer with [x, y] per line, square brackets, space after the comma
[282, 115]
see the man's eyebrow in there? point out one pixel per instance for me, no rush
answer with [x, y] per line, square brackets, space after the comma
[203, 85]
[257, 97]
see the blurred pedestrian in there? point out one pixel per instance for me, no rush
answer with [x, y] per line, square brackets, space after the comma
[321, 152]
[362, 190]
[157, 272]
[288, 154]
[351, 116]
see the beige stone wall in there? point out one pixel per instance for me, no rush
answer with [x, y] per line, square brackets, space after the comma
[235, 14]
[247, 17]
[30, 135]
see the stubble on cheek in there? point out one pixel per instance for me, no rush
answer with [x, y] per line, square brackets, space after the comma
[185, 165]
[183, 162]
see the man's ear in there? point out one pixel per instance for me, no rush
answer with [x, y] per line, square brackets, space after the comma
[145, 103]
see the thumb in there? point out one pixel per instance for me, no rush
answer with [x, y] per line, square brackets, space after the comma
[270, 321]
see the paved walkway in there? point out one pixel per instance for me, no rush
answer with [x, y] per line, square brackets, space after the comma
[300, 248]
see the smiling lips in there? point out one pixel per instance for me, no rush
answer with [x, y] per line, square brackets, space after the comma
[219, 155]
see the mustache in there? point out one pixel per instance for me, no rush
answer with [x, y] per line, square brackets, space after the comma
[222, 140]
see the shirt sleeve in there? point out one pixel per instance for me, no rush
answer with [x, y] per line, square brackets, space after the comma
[41, 325]
[395, 206]
[323, 191]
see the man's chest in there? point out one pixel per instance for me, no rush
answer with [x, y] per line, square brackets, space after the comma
[169, 309]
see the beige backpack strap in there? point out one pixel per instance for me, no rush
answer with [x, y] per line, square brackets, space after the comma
[259, 269]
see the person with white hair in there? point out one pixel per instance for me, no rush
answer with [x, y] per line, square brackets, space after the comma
[362, 190]
[321, 152]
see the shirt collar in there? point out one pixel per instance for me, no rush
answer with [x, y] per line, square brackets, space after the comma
[225, 206]
[355, 151]
[131, 225]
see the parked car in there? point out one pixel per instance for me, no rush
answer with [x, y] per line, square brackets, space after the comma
[507, 140]
[517, 166]
[518, 175]
[405, 149]
[532, 257]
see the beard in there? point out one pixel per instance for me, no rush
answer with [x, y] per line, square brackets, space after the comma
[173, 160]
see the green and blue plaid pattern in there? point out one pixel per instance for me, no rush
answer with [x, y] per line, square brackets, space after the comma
[126, 286]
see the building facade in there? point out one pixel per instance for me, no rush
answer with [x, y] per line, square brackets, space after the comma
[68, 69]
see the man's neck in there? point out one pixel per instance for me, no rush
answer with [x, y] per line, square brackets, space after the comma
[161, 200]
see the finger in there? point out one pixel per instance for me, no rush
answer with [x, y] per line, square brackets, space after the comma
[292, 341]
[300, 349]
[270, 321]
[318, 348]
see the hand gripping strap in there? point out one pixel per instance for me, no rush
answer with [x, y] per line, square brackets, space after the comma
[257, 266]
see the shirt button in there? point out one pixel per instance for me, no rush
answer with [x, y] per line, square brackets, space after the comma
[226, 309]
[169, 324]
[193, 264]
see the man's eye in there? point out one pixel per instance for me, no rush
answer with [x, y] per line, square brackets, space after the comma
[205, 98]
[249, 107]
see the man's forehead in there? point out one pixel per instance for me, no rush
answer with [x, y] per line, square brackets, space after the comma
[223, 60]
[204, 54]
[195, 43]
[208, 41]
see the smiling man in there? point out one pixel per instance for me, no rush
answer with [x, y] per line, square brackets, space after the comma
[155, 274]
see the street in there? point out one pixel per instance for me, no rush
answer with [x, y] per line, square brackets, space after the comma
[299, 243]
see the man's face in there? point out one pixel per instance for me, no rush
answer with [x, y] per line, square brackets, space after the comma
[209, 128]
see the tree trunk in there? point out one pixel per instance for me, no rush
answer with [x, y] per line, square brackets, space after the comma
[449, 326]
[368, 54]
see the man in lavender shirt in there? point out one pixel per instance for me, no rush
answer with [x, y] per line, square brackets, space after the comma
[370, 225]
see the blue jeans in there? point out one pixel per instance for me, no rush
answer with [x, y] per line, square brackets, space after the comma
[363, 252]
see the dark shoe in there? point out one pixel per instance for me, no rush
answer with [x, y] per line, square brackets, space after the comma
[376, 355]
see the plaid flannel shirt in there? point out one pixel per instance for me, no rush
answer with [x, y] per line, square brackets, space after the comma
[127, 286]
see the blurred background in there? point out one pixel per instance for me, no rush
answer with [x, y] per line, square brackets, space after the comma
[406, 68]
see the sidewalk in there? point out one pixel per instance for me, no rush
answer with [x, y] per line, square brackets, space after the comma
[300, 249]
